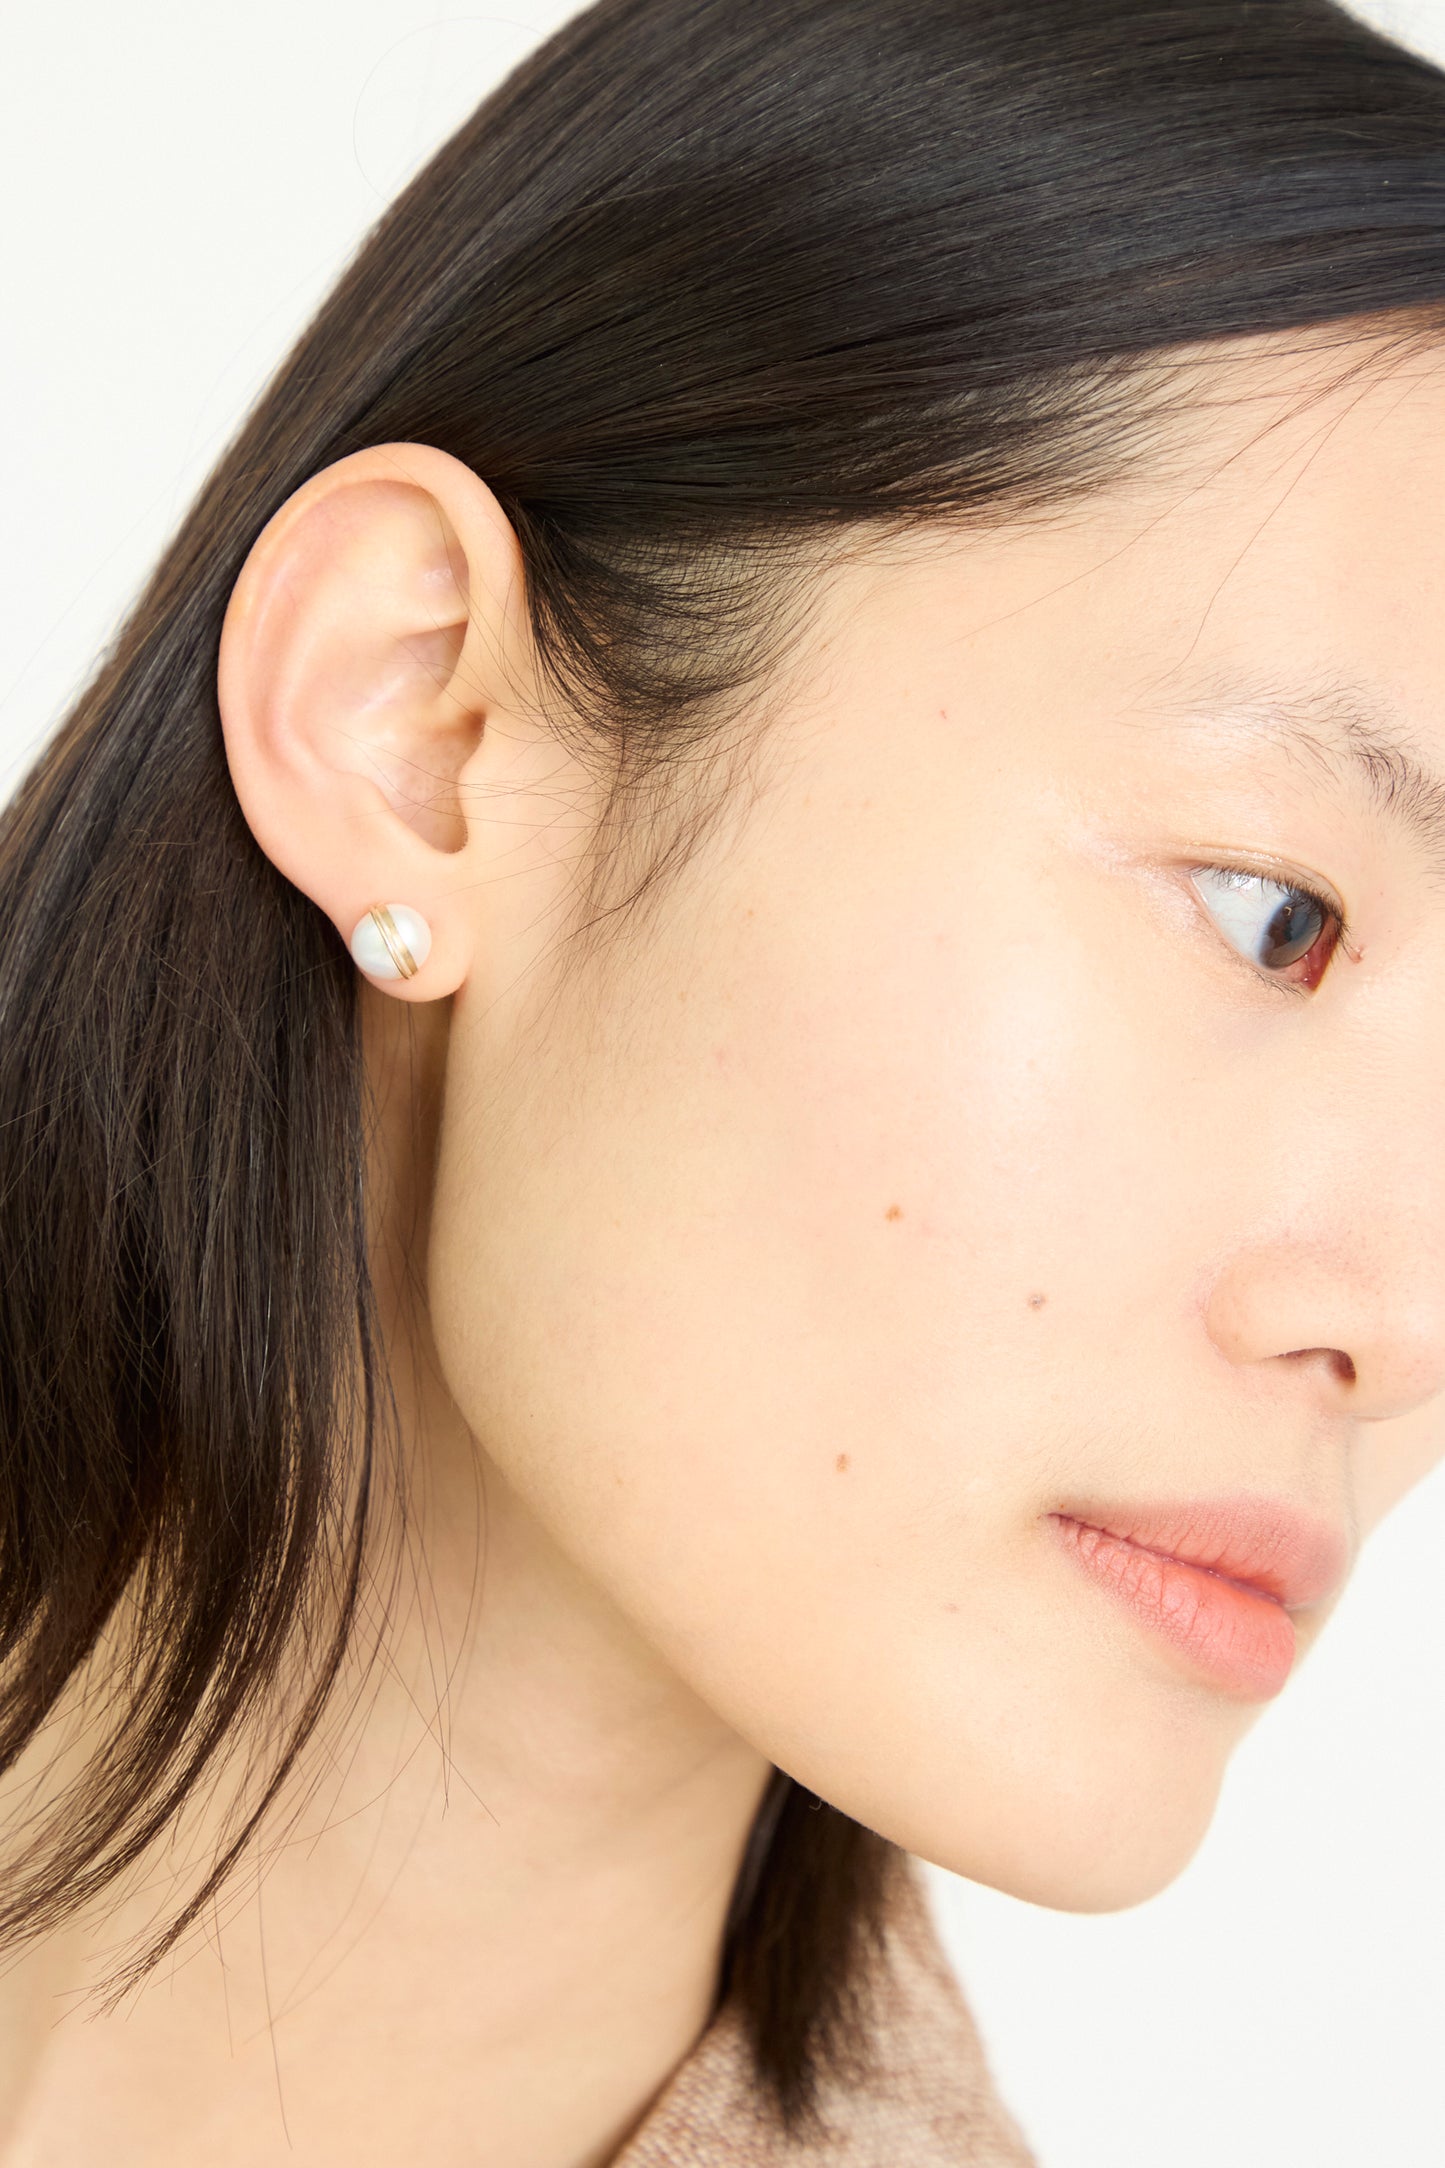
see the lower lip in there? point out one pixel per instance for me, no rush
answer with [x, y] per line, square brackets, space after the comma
[1237, 1637]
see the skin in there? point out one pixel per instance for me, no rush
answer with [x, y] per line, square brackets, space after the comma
[712, 1269]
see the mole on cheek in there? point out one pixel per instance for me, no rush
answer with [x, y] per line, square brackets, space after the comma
[895, 1211]
[1036, 1302]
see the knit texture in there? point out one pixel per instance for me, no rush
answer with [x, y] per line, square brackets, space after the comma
[927, 2100]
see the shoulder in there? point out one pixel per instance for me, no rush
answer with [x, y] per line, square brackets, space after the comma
[927, 2096]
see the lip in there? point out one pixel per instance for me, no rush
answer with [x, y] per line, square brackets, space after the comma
[1217, 1579]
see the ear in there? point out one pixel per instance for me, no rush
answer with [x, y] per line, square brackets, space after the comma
[376, 685]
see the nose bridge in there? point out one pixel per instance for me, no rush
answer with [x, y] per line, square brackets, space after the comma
[1348, 1256]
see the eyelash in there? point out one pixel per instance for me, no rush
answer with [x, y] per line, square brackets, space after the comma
[1328, 908]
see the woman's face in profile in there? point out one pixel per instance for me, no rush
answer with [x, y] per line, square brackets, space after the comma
[993, 1134]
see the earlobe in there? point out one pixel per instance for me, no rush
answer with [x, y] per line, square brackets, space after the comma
[371, 641]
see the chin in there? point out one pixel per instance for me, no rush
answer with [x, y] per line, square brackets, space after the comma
[1090, 1846]
[1077, 1877]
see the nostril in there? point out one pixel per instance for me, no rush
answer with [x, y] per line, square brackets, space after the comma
[1341, 1363]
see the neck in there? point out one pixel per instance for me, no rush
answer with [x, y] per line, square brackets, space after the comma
[507, 1854]
[513, 1859]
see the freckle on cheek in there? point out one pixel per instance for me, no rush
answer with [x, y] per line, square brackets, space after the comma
[841, 1464]
[895, 1211]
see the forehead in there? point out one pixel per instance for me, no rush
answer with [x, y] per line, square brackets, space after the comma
[1285, 580]
[1276, 557]
[1304, 523]
[1280, 555]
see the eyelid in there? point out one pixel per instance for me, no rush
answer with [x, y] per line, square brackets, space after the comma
[1280, 875]
[1283, 875]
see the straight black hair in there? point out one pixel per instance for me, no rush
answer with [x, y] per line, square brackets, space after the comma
[700, 290]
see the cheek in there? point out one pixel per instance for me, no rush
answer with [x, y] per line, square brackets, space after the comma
[1404, 1450]
[788, 1319]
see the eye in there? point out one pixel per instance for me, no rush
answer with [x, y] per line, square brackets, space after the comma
[1277, 926]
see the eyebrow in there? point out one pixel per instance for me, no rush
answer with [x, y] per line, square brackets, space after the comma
[1355, 740]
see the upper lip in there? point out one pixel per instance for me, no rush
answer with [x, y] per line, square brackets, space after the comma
[1265, 1544]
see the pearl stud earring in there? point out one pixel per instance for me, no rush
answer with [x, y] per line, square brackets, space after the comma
[391, 942]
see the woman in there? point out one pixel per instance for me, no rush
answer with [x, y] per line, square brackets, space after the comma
[722, 1042]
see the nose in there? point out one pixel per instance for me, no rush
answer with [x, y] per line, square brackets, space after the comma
[1342, 1273]
[1333, 1270]
[1372, 1335]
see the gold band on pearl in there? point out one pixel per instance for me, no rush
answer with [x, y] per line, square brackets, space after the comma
[396, 948]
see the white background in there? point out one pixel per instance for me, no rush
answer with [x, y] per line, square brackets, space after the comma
[180, 184]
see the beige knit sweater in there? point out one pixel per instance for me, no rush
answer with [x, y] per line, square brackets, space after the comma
[929, 2103]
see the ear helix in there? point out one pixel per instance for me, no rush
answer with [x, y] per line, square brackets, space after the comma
[391, 942]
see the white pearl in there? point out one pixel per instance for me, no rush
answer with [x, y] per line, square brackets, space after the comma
[371, 952]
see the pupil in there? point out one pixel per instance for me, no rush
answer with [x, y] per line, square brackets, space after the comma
[1293, 930]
